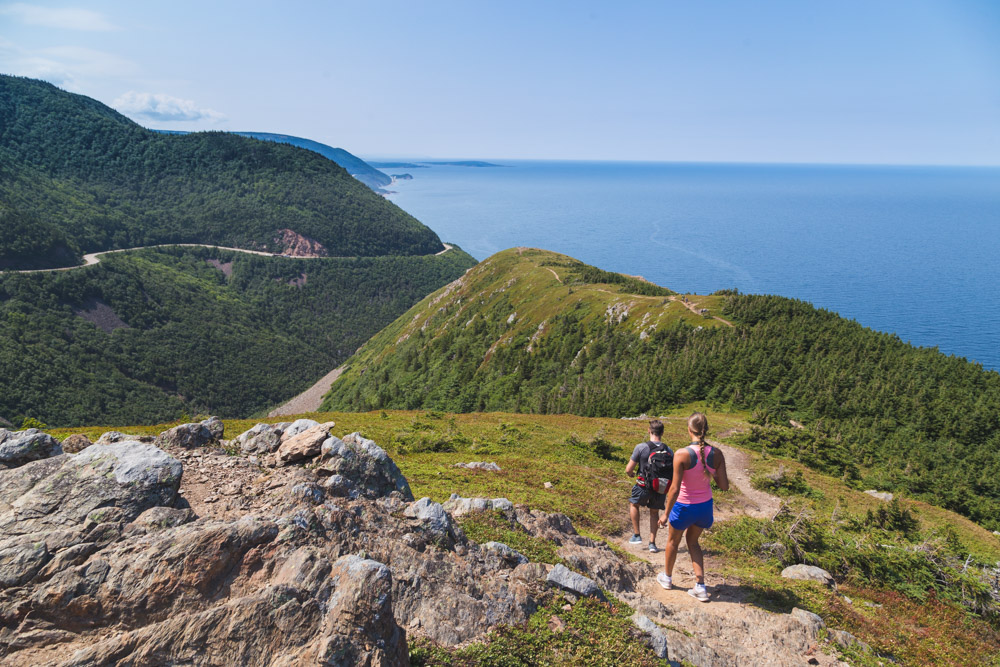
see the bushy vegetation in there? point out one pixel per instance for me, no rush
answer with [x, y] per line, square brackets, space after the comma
[593, 633]
[878, 411]
[96, 181]
[189, 338]
[485, 527]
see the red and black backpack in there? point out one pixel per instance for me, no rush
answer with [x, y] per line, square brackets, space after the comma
[657, 471]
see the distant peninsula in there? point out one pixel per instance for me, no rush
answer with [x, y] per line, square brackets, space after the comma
[424, 165]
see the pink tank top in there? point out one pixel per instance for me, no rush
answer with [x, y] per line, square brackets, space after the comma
[696, 487]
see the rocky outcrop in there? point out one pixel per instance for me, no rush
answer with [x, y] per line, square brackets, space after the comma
[297, 245]
[122, 553]
[192, 435]
[20, 447]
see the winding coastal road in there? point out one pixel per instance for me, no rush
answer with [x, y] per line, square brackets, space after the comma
[95, 257]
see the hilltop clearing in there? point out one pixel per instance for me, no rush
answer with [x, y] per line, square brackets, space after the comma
[582, 459]
[77, 177]
[537, 332]
[149, 335]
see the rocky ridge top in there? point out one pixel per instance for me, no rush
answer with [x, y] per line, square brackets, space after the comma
[302, 547]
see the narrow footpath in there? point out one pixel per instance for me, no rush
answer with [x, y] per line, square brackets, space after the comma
[731, 629]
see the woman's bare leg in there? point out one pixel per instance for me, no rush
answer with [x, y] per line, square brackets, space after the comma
[670, 553]
[694, 549]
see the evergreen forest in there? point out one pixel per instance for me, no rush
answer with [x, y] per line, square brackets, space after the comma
[154, 335]
[874, 410]
[77, 177]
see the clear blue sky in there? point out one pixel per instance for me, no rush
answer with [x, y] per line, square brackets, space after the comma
[884, 81]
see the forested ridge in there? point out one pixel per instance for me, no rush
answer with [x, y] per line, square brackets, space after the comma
[878, 412]
[76, 176]
[149, 336]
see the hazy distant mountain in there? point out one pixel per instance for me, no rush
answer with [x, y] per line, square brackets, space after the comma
[354, 165]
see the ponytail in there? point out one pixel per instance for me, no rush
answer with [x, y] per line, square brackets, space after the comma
[698, 425]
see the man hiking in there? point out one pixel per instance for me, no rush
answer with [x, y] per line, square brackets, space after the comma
[646, 491]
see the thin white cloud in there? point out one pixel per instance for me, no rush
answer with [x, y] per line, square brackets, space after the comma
[65, 18]
[65, 66]
[157, 106]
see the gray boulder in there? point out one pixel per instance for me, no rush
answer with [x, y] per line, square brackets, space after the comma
[506, 553]
[215, 427]
[458, 505]
[804, 572]
[20, 447]
[366, 465]
[109, 437]
[432, 514]
[187, 435]
[261, 439]
[486, 466]
[881, 495]
[657, 635]
[296, 427]
[564, 578]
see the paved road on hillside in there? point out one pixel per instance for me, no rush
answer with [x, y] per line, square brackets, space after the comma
[95, 257]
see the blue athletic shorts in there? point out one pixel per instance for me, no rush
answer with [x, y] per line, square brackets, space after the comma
[684, 516]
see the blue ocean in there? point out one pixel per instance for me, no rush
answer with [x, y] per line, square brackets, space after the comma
[907, 250]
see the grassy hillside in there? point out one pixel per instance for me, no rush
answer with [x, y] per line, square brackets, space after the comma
[89, 179]
[147, 336]
[881, 568]
[533, 331]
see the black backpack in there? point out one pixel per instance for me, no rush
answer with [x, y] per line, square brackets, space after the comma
[657, 472]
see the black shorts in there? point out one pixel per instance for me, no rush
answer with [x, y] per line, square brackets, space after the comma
[650, 499]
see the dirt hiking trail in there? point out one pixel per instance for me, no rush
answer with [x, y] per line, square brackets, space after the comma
[733, 630]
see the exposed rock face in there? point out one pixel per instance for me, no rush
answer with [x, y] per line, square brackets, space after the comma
[20, 447]
[63, 507]
[102, 561]
[297, 245]
[881, 495]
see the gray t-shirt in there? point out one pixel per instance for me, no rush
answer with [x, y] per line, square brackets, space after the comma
[641, 454]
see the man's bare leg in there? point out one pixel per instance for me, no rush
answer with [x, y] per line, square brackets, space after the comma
[633, 512]
[654, 518]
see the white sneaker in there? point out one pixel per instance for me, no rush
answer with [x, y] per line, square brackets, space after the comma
[664, 581]
[653, 549]
[635, 539]
[699, 593]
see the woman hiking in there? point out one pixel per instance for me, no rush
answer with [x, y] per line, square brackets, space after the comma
[689, 502]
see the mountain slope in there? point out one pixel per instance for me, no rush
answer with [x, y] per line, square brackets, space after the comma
[533, 331]
[93, 180]
[354, 165]
[149, 335]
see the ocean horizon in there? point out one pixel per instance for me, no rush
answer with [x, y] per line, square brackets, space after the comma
[908, 250]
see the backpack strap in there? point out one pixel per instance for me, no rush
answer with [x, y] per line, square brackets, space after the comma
[709, 460]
